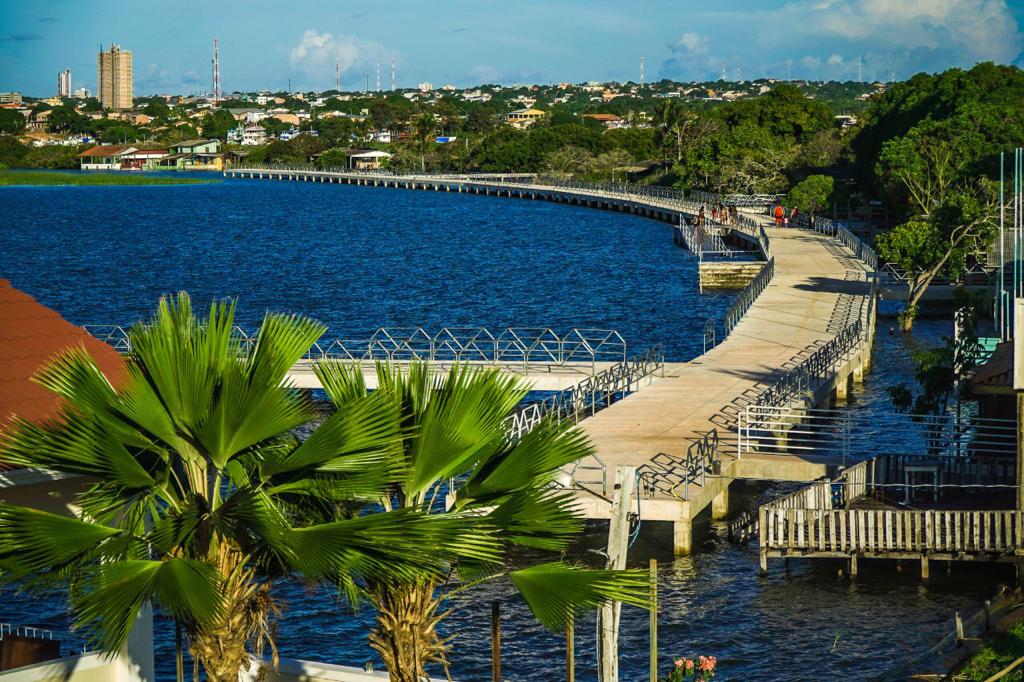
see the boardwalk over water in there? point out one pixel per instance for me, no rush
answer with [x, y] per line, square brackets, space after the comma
[814, 321]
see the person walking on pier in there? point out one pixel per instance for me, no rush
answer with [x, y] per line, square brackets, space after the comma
[779, 213]
[700, 217]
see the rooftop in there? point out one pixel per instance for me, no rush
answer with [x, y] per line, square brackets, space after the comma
[106, 150]
[31, 335]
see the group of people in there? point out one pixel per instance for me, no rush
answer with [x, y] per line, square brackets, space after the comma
[720, 215]
[783, 217]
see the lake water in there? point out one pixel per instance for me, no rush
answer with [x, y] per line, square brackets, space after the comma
[359, 258]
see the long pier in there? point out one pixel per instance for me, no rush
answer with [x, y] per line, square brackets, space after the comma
[801, 338]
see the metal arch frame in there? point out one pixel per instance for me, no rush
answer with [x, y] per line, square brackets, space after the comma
[515, 345]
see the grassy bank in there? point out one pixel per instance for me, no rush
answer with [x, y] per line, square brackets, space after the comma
[8, 177]
[996, 655]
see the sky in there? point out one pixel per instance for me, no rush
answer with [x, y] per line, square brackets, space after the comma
[266, 43]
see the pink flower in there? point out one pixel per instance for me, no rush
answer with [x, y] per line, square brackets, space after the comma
[679, 663]
[688, 664]
[707, 663]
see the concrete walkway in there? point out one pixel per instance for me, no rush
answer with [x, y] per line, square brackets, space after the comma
[818, 289]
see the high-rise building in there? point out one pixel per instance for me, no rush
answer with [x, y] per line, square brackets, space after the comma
[115, 78]
[64, 83]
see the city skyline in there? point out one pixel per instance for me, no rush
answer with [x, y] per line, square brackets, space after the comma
[265, 48]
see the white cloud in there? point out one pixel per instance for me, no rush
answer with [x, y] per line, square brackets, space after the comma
[905, 35]
[690, 59]
[315, 53]
[692, 43]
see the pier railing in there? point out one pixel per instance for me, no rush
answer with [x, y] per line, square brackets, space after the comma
[515, 345]
[747, 296]
[592, 394]
[672, 476]
[822, 518]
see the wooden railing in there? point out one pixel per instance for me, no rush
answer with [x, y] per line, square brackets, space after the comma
[884, 530]
[817, 518]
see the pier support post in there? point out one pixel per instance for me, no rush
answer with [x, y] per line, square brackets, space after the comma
[764, 562]
[682, 534]
[842, 388]
[858, 373]
[720, 505]
[924, 567]
[853, 566]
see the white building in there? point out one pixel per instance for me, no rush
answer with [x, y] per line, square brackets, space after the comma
[83, 93]
[425, 87]
[64, 83]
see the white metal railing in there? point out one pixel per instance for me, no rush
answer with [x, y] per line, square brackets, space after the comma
[515, 345]
[68, 643]
[853, 435]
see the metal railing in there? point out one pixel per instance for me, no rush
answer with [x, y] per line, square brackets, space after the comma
[592, 394]
[852, 435]
[515, 345]
[806, 377]
[69, 644]
[747, 296]
[666, 474]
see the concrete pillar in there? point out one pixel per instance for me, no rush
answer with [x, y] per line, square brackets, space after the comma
[924, 567]
[858, 373]
[764, 561]
[720, 505]
[853, 565]
[842, 388]
[682, 534]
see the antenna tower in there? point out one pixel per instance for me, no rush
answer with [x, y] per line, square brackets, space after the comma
[860, 70]
[216, 74]
[393, 81]
[725, 72]
[378, 76]
[642, 61]
[337, 69]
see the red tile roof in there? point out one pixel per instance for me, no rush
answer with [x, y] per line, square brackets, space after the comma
[105, 150]
[30, 336]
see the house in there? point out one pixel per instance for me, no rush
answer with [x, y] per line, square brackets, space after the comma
[248, 135]
[194, 155]
[104, 157]
[142, 119]
[142, 158]
[367, 159]
[382, 136]
[609, 120]
[523, 118]
[288, 118]
[38, 120]
[32, 335]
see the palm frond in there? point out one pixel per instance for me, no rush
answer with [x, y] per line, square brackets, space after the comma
[37, 541]
[555, 590]
[107, 600]
[538, 518]
[342, 381]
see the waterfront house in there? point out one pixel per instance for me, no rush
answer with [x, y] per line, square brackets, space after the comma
[194, 155]
[104, 156]
[523, 118]
[367, 159]
[248, 135]
[142, 158]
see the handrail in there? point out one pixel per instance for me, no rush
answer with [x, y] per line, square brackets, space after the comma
[514, 345]
[592, 394]
[666, 474]
[747, 296]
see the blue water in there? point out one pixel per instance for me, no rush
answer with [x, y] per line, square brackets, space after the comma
[358, 258]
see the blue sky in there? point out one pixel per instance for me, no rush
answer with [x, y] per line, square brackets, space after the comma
[264, 43]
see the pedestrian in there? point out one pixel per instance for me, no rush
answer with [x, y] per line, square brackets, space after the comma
[714, 214]
[793, 216]
[700, 216]
[779, 212]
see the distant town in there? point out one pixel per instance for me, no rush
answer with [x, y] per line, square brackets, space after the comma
[437, 126]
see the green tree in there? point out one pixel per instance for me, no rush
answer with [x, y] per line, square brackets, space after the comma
[11, 122]
[333, 158]
[274, 126]
[812, 194]
[217, 124]
[568, 161]
[67, 120]
[457, 431]
[426, 129]
[335, 131]
[157, 108]
[201, 487]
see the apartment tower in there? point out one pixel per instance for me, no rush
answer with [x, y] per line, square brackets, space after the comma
[115, 78]
[64, 83]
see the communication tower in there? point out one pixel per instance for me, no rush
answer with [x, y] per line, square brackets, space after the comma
[216, 74]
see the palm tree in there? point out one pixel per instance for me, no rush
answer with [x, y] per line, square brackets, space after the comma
[202, 487]
[454, 430]
[426, 126]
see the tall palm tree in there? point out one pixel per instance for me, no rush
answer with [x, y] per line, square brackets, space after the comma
[202, 487]
[454, 430]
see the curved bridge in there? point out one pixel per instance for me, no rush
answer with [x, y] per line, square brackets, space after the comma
[800, 334]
